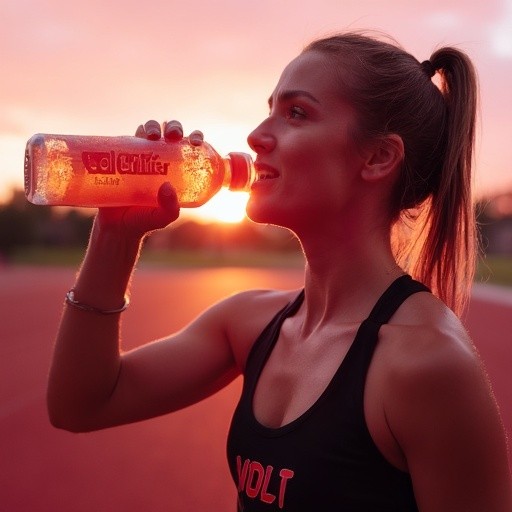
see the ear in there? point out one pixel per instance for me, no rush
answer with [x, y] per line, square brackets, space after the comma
[385, 157]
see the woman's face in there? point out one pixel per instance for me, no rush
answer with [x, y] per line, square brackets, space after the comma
[307, 163]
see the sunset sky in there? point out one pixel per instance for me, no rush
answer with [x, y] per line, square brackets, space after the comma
[102, 68]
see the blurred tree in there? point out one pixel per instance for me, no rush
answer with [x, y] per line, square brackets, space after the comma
[495, 223]
[23, 224]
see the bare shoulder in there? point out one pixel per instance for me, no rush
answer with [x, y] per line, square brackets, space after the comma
[429, 339]
[439, 406]
[261, 298]
[246, 314]
[427, 353]
[433, 375]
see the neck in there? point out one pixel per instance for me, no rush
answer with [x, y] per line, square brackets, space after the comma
[345, 277]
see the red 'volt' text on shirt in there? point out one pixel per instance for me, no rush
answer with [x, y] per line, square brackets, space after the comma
[256, 481]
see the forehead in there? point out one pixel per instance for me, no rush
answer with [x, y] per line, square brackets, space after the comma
[312, 72]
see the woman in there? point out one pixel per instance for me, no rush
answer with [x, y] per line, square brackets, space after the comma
[362, 391]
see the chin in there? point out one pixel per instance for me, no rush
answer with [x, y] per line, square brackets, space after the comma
[258, 216]
[263, 212]
[260, 210]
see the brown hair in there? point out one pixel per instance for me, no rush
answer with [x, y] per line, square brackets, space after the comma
[432, 205]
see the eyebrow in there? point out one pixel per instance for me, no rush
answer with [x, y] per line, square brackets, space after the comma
[292, 94]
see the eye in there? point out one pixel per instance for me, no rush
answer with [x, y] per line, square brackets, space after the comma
[295, 112]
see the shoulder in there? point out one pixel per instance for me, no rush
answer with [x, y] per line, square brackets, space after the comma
[436, 384]
[429, 339]
[428, 350]
[440, 407]
[244, 315]
[261, 298]
[256, 303]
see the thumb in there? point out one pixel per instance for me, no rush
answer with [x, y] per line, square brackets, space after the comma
[168, 201]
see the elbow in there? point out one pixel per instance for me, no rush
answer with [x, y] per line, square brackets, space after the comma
[66, 423]
[68, 420]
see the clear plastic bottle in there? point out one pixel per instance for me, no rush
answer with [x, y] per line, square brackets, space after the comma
[90, 171]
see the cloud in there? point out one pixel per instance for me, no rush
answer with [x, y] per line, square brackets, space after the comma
[500, 33]
[444, 20]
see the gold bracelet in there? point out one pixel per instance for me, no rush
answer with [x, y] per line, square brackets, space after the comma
[70, 299]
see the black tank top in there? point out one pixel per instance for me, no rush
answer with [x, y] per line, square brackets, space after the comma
[325, 460]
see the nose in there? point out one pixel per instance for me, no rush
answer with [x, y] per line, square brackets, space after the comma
[261, 140]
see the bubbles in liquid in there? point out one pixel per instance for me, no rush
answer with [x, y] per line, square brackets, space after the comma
[196, 174]
[58, 171]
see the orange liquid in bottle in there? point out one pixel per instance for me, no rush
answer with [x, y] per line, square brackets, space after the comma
[117, 171]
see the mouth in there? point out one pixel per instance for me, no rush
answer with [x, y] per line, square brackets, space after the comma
[265, 172]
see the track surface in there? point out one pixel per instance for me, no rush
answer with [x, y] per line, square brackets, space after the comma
[175, 463]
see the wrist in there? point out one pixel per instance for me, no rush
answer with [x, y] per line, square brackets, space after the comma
[105, 274]
[72, 301]
[105, 231]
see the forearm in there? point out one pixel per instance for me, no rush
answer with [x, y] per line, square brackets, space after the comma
[86, 358]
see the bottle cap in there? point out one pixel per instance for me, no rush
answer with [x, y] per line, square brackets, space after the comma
[242, 171]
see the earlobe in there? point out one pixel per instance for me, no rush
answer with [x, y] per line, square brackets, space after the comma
[384, 159]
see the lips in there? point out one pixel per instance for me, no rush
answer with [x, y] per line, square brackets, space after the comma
[265, 172]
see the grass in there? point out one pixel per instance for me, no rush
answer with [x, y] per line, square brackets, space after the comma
[46, 256]
[493, 269]
[160, 258]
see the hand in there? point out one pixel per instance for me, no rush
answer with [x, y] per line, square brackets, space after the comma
[140, 221]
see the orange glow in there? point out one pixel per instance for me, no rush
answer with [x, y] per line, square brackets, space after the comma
[226, 206]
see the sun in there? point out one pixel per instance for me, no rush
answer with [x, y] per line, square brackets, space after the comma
[225, 206]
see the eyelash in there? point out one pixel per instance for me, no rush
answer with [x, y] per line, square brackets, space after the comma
[295, 112]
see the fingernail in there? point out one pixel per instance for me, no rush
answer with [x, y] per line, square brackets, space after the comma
[167, 189]
[173, 133]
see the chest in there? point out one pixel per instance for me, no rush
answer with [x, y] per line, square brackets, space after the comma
[297, 373]
[299, 439]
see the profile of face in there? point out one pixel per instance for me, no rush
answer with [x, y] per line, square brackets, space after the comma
[309, 167]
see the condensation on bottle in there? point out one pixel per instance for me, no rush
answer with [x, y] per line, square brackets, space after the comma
[94, 171]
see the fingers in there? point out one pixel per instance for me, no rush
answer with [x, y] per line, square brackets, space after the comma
[167, 197]
[150, 130]
[153, 131]
[169, 209]
[140, 132]
[140, 221]
[173, 131]
[196, 138]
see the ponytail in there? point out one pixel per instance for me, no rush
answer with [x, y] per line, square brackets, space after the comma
[447, 257]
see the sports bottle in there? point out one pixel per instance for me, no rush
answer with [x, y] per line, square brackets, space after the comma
[91, 171]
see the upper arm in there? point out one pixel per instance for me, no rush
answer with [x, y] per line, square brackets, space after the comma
[192, 364]
[446, 421]
[178, 370]
[175, 371]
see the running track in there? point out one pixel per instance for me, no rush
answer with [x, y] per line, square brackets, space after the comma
[175, 463]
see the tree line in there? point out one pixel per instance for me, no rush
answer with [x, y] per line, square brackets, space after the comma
[23, 225]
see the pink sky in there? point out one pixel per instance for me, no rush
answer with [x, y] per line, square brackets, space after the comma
[104, 67]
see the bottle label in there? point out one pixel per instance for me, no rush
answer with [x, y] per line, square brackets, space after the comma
[110, 162]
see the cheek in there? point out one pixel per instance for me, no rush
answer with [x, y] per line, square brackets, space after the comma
[316, 176]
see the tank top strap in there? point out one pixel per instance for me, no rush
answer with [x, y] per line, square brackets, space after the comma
[358, 359]
[393, 297]
[262, 347]
[294, 305]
